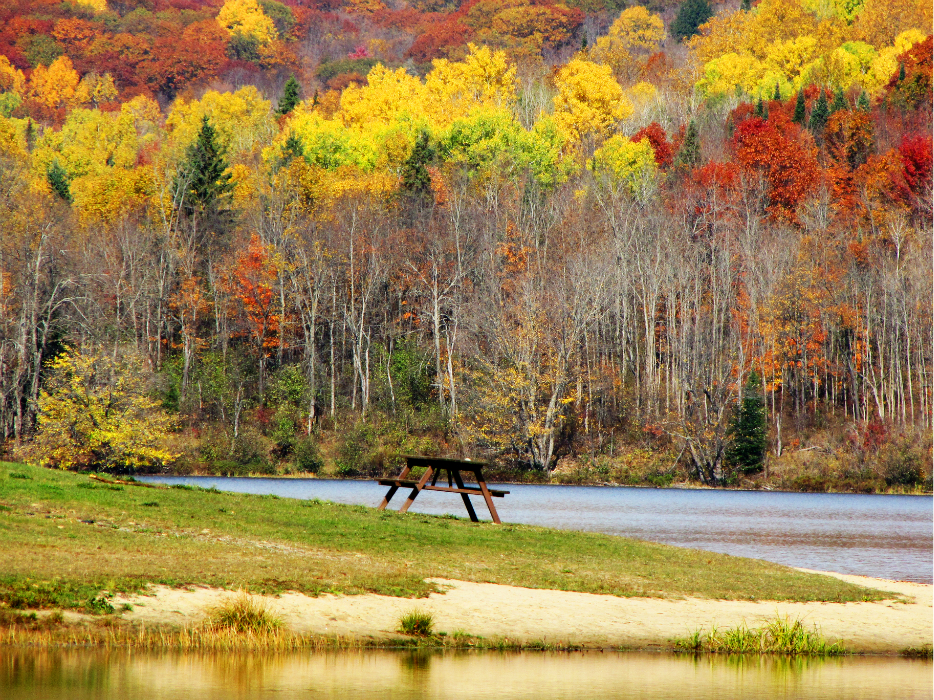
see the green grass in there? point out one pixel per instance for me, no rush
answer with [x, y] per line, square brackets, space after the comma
[417, 623]
[66, 542]
[244, 614]
[779, 636]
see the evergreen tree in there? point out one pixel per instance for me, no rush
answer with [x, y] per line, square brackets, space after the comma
[584, 43]
[745, 5]
[290, 97]
[748, 432]
[689, 154]
[58, 181]
[416, 180]
[207, 181]
[778, 94]
[820, 112]
[691, 15]
[292, 148]
[760, 109]
[800, 109]
[901, 72]
[839, 102]
[862, 102]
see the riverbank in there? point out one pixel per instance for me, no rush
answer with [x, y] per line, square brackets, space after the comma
[88, 548]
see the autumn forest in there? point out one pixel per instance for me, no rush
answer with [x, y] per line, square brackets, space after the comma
[584, 241]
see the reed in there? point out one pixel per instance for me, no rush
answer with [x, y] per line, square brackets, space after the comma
[781, 635]
[417, 623]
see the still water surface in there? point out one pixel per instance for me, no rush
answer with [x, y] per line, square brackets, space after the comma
[883, 536]
[353, 675]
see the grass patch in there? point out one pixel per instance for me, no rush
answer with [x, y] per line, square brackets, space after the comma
[779, 636]
[922, 652]
[417, 623]
[244, 614]
[64, 545]
[19, 475]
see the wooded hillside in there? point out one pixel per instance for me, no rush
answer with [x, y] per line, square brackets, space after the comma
[663, 241]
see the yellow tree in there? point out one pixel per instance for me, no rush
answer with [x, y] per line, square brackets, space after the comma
[95, 413]
[246, 17]
[589, 103]
[636, 31]
[56, 85]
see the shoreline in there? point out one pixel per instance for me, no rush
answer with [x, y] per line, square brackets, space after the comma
[472, 615]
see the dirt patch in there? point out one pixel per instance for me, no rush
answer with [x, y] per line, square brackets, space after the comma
[529, 615]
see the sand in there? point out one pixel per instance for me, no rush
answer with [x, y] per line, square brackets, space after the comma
[593, 621]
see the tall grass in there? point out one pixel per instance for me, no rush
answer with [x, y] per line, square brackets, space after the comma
[417, 623]
[779, 636]
[244, 614]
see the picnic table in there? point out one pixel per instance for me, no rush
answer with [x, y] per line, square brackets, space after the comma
[428, 482]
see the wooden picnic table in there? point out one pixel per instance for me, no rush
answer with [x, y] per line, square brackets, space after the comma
[428, 482]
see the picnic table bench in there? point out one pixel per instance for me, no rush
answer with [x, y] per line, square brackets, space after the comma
[428, 482]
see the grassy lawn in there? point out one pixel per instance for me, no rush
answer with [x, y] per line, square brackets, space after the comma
[65, 538]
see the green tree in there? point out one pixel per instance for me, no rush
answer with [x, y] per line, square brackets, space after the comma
[745, 5]
[290, 97]
[691, 15]
[862, 102]
[59, 181]
[416, 180]
[820, 113]
[204, 179]
[748, 434]
[95, 413]
[839, 102]
[800, 109]
[689, 153]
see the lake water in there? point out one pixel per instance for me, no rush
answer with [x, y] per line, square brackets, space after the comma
[76, 674]
[883, 536]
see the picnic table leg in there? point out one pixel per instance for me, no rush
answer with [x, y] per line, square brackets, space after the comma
[486, 495]
[418, 487]
[467, 503]
[392, 490]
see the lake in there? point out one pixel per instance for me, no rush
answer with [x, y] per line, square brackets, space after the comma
[871, 535]
[80, 674]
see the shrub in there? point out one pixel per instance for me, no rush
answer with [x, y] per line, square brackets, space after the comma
[244, 614]
[417, 623]
[307, 455]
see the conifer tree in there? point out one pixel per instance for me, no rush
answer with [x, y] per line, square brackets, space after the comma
[839, 102]
[416, 180]
[820, 112]
[760, 109]
[862, 102]
[58, 181]
[745, 5]
[205, 172]
[292, 148]
[290, 97]
[778, 94]
[800, 109]
[748, 432]
[691, 15]
[689, 154]
[901, 72]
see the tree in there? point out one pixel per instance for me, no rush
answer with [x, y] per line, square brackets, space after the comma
[689, 153]
[839, 102]
[820, 113]
[289, 97]
[691, 15]
[748, 432]
[205, 180]
[862, 102]
[416, 180]
[589, 100]
[59, 181]
[800, 109]
[95, 413]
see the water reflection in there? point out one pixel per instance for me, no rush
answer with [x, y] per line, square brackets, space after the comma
[882, 536]
[78, 674]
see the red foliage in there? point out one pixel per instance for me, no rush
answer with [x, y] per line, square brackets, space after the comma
[659, 142]
[776, 148]
[915, 89]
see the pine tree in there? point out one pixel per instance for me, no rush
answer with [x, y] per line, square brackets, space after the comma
[839, 102]
[292, 149]
[760, 109]
[745, 5]
[205, 172]
[820, 112]
[862, 102]
[901, 72]
[689, 154]
[691, 15]
[800, 109]
[59, 181]
[778, 94]
[748, 432]
[290, 97]
[416, 180]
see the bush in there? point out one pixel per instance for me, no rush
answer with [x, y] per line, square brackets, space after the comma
[244, 614]
[902, 464]
[307, 455]
[417, 623]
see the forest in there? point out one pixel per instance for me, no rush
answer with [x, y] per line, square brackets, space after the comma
[585, 242]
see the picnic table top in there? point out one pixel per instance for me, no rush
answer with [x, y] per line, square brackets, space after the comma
[442, 462]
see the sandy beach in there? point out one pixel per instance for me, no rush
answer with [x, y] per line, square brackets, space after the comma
[592, 621]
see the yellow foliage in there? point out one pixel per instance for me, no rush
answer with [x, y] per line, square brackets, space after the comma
[13, 137]
[241, 119]
[881, 21]
[483, 79]
[589, 100]
[56, 85]
[97, 6]
[11, 78]
[388, 94]
[94, 412]
[625, 164]
[246, 17]
[636, 30]
[96, 89]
